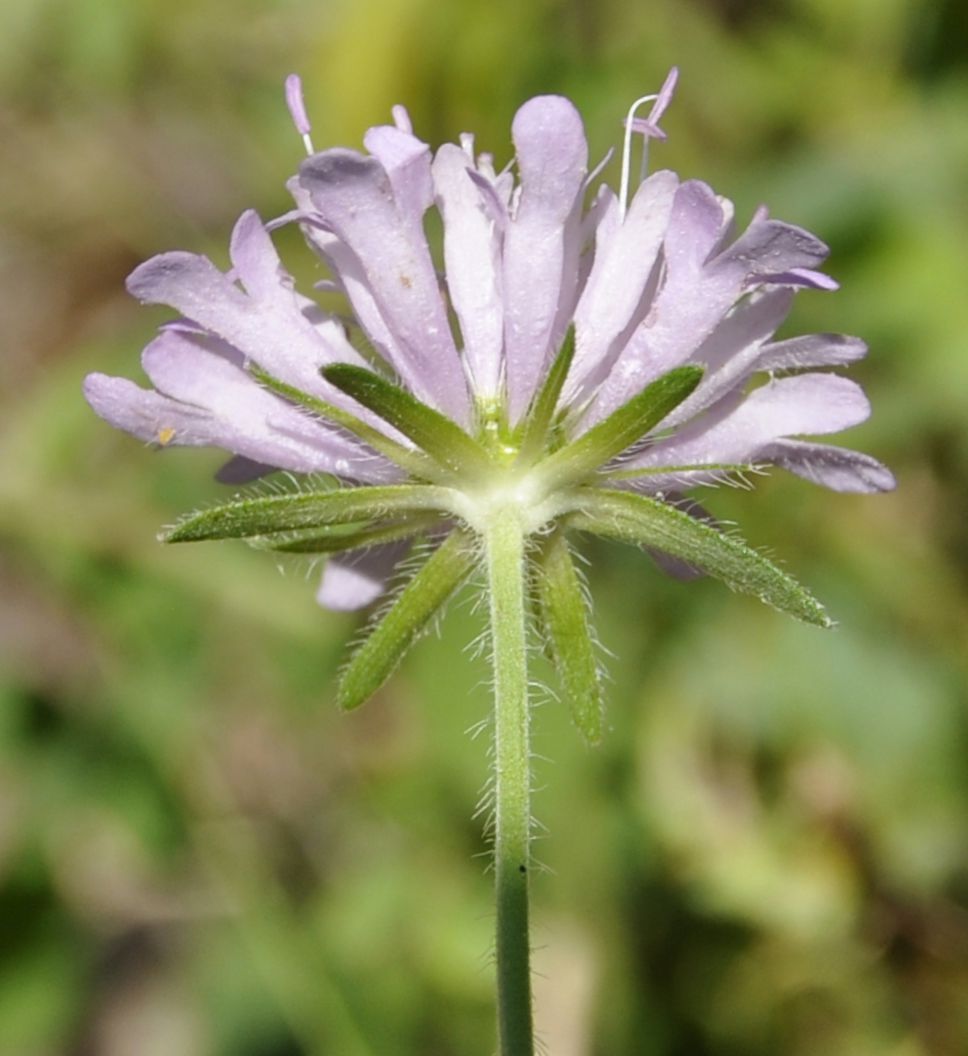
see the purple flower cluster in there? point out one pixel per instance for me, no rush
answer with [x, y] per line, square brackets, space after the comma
[649, 281]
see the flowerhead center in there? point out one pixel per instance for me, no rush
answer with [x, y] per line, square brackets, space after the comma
[519, 493]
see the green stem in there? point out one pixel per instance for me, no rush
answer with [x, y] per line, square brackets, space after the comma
[504, 543]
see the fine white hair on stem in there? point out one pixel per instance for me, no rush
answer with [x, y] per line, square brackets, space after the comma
[474, 731]
[477, 647]
[485, 807]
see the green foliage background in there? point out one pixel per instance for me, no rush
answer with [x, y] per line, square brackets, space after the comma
[769, 853]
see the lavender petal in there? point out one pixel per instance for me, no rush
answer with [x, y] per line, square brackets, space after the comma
[472, 256]
[539, 272]
[832, 467]
[354, 196]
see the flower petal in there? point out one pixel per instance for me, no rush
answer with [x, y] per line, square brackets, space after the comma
[625, 254]
[354, 197]
[743, 331]
[350, 276]
[811, 350]
[472, 256]
[832, 467]
[807, 278]
[690, 302]
[204, 398]
[354, 581]
[268, 326]
[769, 248]
[739, 428]
[698, 222]
[158, 419]
[255, 260]
[732, 351]
[406, 161]
[180, 366]
[540, 255]
[703, 281]
[148, 415]
[257, 265]
[242, 470]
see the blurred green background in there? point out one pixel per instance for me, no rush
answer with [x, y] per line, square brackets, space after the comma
[768, 854]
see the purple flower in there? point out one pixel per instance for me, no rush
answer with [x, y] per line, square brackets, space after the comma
[573, 361]
[548, 288]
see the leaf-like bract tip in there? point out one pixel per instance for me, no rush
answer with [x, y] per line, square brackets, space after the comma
[436, 434]
[626, 425]
[564, 612]
[405, 620]
[651, 523]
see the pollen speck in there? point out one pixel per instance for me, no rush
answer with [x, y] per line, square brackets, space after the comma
[166, 435]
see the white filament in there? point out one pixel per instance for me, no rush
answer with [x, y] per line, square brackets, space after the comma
[623, 194]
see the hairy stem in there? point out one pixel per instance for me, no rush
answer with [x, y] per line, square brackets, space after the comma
[504, 544]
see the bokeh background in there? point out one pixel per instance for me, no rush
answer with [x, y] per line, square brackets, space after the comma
[769, 852]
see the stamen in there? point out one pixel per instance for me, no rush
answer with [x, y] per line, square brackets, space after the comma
[401, 118]
[297, 110]
[597, 171]
[649, 129]
[630, 127]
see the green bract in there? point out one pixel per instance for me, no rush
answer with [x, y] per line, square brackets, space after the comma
[459, 485]
[413, 608]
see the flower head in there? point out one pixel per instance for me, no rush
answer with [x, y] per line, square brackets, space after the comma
[577, 360]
